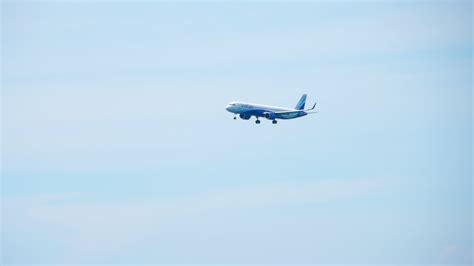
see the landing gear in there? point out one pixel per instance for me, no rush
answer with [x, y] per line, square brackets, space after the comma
[235, 117]
[274, 121]
[257, 121]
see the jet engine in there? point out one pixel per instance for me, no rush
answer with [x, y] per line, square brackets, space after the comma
[244, 116]
[269, 115]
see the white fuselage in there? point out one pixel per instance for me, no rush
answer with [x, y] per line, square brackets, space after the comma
[242, 107]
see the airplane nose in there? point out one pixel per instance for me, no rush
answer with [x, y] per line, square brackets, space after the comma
[227, 108]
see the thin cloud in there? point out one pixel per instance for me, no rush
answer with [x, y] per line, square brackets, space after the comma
[94, 229]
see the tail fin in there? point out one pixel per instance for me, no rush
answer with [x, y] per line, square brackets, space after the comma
[301, 103]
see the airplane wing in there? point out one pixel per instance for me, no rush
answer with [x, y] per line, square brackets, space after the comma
[298, 111]
[294, 112]
[289, 114]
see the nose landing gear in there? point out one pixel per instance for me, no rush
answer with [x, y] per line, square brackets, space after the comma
[257, 121]
[274, 121]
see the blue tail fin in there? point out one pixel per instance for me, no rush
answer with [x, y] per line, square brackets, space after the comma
[301, 103]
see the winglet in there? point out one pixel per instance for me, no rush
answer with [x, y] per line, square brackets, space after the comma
[312, 108]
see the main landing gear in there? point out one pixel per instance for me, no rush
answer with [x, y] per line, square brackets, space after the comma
[273, 121]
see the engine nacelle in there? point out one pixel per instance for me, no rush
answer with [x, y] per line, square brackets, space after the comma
[244, 116]
[269, 115]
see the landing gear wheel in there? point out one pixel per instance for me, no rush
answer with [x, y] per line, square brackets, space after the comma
[235, 117]
[274, 121]
[257, 121]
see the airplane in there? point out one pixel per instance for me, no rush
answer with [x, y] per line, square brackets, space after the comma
[246, 110]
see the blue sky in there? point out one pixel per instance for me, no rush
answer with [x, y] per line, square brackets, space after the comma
[116, 147]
